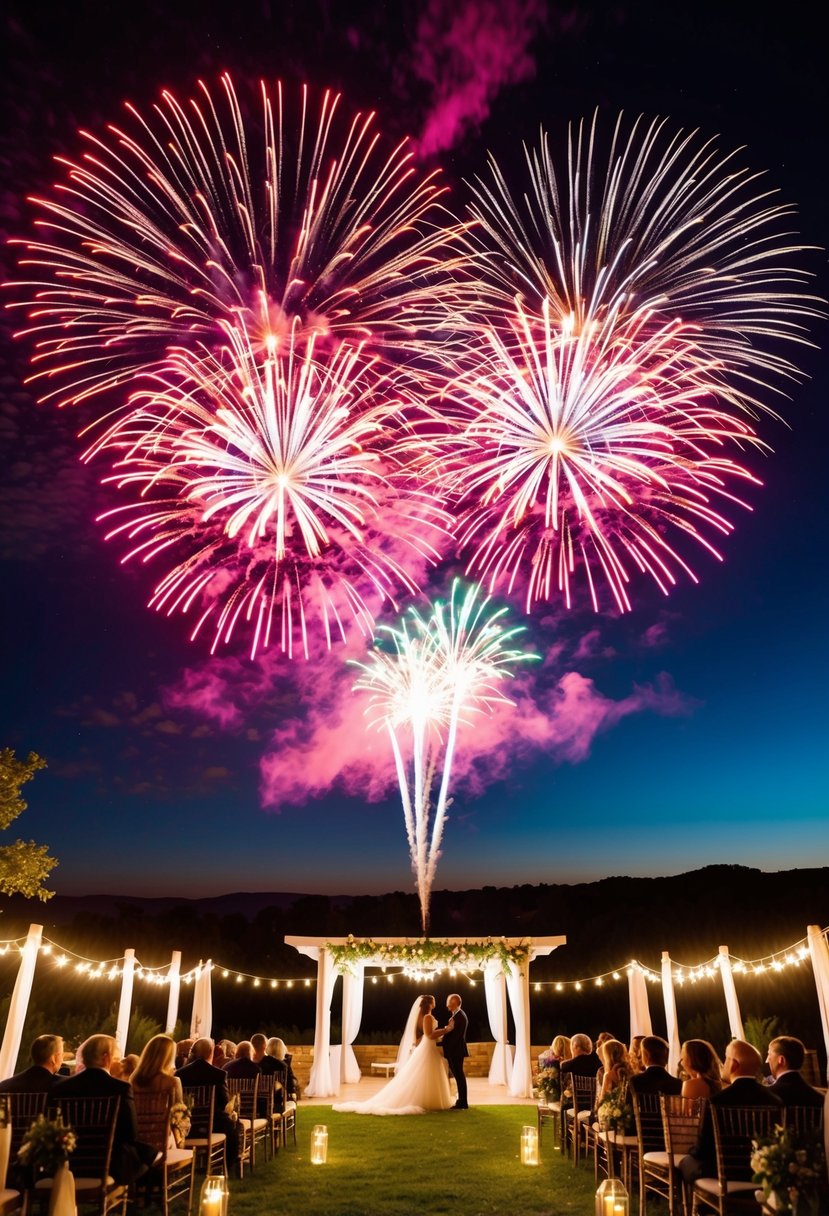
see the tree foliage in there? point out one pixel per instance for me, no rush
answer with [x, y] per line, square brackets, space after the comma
[24, 865]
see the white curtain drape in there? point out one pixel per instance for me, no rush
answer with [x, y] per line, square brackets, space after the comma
[19, 1002]
[353, 986]
[640, 1014]
[735, 1021]
[321, 1083]
[671, 1023]
[125, 1004]
[819, 952]
[201, 1020]
[500, 1070]
[518, 987]
[174, 983]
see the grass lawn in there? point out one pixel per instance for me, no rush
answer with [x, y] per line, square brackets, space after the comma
[463, 1164]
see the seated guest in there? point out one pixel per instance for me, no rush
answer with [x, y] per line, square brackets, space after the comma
[702, 1068]
[130, 1158]
[199, 1071]
[616, 1074]
[123, 1069]
[635, 1054]
[154, 1073]
[742, 1065]
[583, 1063]
[258, 1042]
[655, 1078]
[219, 1057]
[242, 1064]
[276, 1063]
[47, 1056]
[183, 1050]
[785, 1059]
[556, 1053]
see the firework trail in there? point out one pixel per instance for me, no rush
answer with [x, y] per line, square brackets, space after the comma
[227, 285]
[622, 340]
[439, 672]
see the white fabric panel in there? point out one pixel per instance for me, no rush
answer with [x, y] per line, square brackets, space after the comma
[640, 1014]
[321, 1083]
[518, 987]
[819, 951]
[353, 987]
[174, 984]
[500, 1070]
[125, 1004]
[20, 1002]
[669, 997]
[735, 1021]
[201, 1020]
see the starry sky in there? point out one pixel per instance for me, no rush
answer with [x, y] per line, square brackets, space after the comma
[708, 740]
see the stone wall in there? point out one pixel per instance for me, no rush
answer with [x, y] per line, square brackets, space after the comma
[480, 1057]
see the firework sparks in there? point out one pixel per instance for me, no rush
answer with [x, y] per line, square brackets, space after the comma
[228, 287]
[623, 341]
[439, 673]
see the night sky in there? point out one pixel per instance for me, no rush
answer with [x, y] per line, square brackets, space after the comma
[709, 737]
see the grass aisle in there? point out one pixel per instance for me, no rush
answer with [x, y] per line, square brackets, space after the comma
[463, 1164]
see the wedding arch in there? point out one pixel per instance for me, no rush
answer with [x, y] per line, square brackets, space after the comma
[504, 961]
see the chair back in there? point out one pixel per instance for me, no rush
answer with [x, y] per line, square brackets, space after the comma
[805, 1121]
[200, 1099]
[735, 1127]
[648, 1115]
[153, 1114]
[248, 1090]
[93, 1121]
[681, 1122]
[584, 1093]
[25, 1108]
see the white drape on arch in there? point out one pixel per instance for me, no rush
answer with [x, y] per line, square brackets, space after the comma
[201, 1019]
[174, 981]
[671, 1024]
[518, 986]
[125, 1004]
[20, 1002]
[353, 985]
[735, 1021]
[321, 1084]
[500, 1069]
[819, 952]
[640, 1014]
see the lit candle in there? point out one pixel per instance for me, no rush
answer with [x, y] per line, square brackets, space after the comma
[212, 1204]
[319, 1144]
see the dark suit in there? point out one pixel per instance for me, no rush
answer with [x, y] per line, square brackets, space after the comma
[199, 1072]
[456, 1051]
[792, 1090]
[743, 1091]
[580, 1066]
[34, 1080]
[130, 1157]
[655, 1080]
[242, 1068]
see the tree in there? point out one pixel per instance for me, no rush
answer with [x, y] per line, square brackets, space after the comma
[23, 864]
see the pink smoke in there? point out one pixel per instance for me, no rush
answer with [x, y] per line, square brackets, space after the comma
[467, 52]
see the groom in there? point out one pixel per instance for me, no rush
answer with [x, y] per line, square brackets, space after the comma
[454, 1047]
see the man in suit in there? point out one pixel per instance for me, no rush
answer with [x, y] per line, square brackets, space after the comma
[47, 1056]
[200, 1071]
[130, 1157]
[455, 1049]
[785, 1059]
[242, 1065]
[584, 1061]
[655, 1079]
[740, 1071]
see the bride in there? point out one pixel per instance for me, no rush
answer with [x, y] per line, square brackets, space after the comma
[420, 1083]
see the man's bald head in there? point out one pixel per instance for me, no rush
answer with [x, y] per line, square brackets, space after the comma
[741, 1060]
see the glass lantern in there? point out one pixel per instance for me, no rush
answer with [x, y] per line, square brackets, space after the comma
[214, 1194]
[529, 1145]
[319, 1144]
[612, 1199]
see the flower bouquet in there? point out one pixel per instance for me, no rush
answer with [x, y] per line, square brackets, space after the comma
[790, 1170]
[180, 1122]
[548, 1083]
[47, 1146]
[232, 1108]
[615, 1113]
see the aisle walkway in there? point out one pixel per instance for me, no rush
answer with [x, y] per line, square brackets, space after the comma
[481, 1093]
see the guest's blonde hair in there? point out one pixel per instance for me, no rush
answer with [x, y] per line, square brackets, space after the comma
[561, 1047]
[157, 1057]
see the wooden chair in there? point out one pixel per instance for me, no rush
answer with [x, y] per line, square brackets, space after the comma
[578, 1115]
[549, 1112]
[93, 1121]
[284, 1115]
[681, 1122]
[25, 1108]
[611, 1142]
[654, 1172]
[209, 1146]
[172, 1174]
[253, 1128]
[804, 1121]
[735, 1127]
[11, 1200]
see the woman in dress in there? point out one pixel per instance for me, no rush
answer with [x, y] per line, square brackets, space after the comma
[154, 1072]
[702, 1068]
[616, 1074]
[420, 1083]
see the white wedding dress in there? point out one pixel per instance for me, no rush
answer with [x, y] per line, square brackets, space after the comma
[420, 1084]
